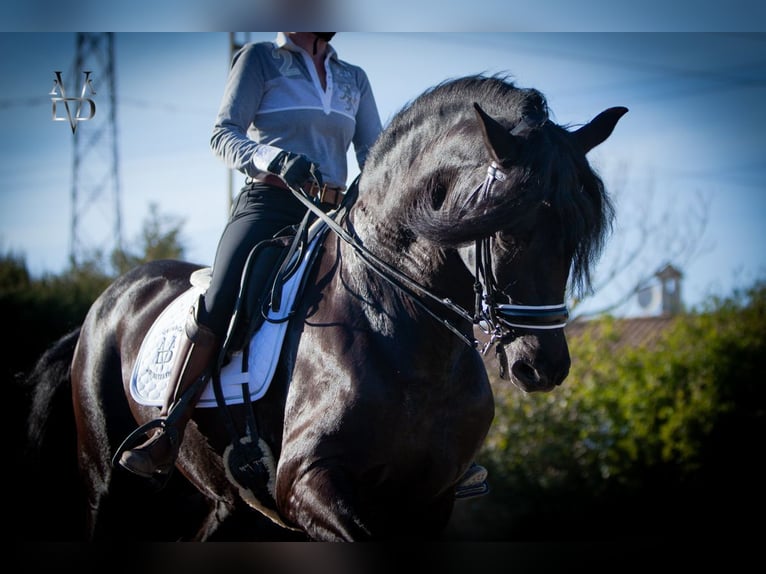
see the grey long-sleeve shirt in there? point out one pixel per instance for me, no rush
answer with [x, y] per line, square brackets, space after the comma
[273, 97]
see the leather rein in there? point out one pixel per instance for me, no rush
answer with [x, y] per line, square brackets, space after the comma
[498, 320]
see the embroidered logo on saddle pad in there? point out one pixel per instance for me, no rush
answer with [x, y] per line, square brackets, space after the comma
[160, 348]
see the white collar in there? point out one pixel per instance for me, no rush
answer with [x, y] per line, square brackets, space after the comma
[284, 41]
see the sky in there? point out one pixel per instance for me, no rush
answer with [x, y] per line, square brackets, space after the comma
[692, 144]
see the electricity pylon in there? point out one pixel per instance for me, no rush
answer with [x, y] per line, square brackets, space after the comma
[96, 223]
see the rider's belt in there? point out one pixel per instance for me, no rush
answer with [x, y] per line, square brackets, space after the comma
[328, 194]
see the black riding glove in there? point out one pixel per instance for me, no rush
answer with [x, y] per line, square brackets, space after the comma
[295, 169]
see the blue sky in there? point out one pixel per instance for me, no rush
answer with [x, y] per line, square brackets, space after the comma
[695, 129]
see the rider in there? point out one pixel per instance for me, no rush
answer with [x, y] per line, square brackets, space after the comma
[290, 111]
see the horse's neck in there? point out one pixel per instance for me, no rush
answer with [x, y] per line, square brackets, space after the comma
[379, 228]
[440, 271]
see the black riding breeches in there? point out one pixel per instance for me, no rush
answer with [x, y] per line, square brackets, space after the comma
[260, 212]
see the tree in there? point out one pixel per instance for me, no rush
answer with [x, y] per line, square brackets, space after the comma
[648, 235]
[160, 239]
[13, 273]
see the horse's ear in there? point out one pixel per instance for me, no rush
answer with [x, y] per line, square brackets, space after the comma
[500, 143]
[599, 128]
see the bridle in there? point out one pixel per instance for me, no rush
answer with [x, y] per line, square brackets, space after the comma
[498, 320]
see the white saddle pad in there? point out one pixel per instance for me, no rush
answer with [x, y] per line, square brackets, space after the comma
[151, 371]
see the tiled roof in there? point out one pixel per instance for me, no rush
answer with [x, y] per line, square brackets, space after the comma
[630, 332]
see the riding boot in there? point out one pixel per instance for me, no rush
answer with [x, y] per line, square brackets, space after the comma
[158, 454]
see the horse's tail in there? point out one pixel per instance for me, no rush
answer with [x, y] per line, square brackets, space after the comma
[50, 492]
[49, 382]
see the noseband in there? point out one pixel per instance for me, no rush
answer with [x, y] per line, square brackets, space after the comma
[498, 320]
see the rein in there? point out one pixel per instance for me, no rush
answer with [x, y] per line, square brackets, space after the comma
[496, 319]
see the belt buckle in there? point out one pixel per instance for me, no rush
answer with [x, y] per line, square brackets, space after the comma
[315, 191]
[322, 191]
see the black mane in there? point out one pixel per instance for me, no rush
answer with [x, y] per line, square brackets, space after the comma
[440, 127]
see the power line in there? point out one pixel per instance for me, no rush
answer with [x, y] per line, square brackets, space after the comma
[9, 103]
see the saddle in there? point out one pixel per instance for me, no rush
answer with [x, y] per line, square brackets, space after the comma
[252, 346]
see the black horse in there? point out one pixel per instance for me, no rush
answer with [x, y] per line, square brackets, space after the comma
[475, 213]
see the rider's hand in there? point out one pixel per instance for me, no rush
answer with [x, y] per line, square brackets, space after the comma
[295, 169]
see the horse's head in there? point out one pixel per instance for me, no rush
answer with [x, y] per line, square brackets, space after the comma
[512, 193]
[552, 216]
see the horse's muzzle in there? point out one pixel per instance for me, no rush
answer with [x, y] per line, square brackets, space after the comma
[532, 366]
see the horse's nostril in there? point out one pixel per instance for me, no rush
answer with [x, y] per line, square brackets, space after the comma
[525, 373]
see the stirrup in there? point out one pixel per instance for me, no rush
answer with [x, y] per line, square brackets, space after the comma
[473, 483]
[156, 475]
[132, 440]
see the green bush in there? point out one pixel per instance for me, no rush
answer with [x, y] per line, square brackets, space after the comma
[37, 312]
[675, 422]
